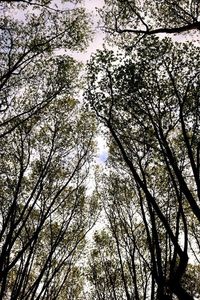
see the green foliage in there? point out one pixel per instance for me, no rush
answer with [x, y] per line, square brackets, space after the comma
[149, 102]
[127, 21]
[46, 150]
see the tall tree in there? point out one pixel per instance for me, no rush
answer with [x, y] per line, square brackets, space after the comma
[46, 150]
[149, 102]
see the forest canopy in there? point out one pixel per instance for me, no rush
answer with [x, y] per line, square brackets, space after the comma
[136, 233]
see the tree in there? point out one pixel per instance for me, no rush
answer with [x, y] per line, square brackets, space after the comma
[44, 164]
[46, 150]
[149, 102]
[123, 19]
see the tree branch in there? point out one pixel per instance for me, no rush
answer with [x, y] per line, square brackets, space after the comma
[192, 26]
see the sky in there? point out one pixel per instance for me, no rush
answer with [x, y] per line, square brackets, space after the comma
[97, 43]
[84, 56]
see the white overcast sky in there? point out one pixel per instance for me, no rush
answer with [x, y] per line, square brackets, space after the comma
[97, 43]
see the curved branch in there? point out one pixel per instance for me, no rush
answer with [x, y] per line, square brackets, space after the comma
[192, 26]
[29, 2]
